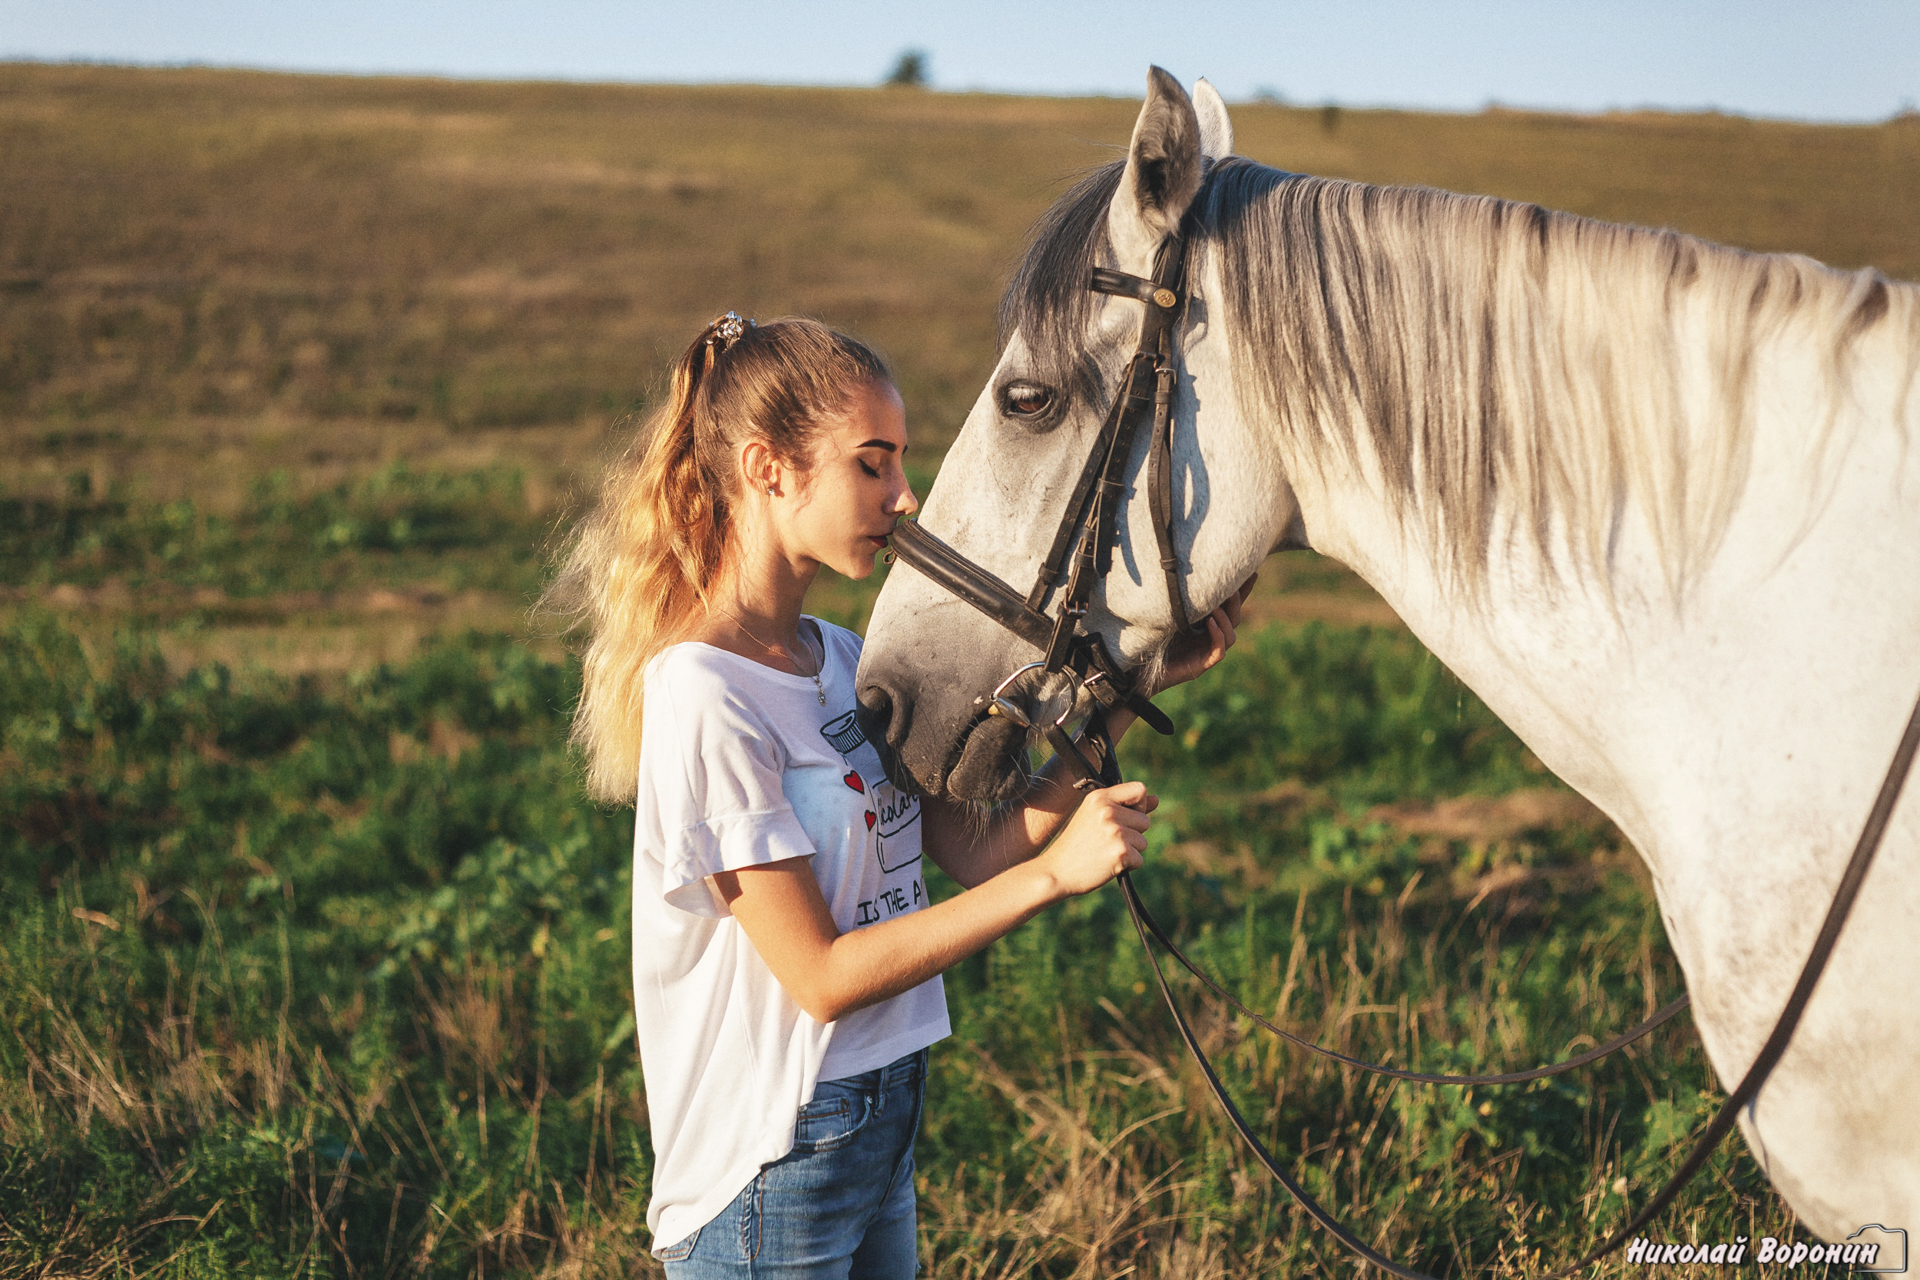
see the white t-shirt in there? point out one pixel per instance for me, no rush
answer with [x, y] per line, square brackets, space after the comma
[741, 765]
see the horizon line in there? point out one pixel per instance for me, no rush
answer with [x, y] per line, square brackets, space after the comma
[1907, 111]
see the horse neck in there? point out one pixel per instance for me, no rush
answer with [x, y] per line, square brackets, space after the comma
[1508, 372]
[1650, 479]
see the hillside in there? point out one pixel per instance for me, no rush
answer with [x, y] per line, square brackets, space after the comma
[215, 280]
[475, 258]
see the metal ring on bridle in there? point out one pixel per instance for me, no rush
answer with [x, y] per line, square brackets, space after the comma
[998, 705]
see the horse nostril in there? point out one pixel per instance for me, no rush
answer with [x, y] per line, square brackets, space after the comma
[875, 711]
[885, 728]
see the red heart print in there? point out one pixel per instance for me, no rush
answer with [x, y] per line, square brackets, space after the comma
[869, 819]
[853, 780]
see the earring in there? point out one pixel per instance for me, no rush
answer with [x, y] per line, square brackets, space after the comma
[770, 492]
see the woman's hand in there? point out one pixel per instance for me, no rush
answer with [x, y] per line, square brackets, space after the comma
[1107, 835]
[1198, 651]
[830, 974]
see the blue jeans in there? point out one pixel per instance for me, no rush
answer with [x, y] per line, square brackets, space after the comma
[839, 1206]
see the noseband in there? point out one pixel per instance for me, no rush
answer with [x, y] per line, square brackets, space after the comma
[1092, 519]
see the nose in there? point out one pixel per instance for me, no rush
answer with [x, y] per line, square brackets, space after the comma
[906, 504]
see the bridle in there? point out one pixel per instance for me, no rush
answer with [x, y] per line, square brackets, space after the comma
[1082, 548]
[1091, 519]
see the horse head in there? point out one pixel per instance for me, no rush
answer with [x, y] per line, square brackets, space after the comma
[932, 662]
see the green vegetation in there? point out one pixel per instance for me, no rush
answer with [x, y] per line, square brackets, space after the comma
[314, 959]
[333, 980]
[460, 529]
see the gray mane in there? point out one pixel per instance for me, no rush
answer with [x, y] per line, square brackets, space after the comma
[1513, 373]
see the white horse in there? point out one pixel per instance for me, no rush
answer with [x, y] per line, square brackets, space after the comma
[1655, 500]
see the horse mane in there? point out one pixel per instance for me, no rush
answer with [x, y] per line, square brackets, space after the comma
[1048, 301]
[1508, 372]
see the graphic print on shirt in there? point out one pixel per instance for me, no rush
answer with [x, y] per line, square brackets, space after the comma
[890, 811]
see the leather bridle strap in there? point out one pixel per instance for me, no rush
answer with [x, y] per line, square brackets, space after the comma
[1162, 296]
[966, 580]
[1100, 502]
[1094, 554]
[1776, 1045]
[1092, 512]
[1160, 493]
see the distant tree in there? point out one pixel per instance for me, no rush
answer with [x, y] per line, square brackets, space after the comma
[909, 70]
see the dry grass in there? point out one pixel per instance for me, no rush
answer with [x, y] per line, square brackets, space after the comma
[180, 1073]
[1122, 1145]
[301, 633]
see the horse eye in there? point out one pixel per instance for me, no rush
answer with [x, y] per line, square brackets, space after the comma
[1025, 399]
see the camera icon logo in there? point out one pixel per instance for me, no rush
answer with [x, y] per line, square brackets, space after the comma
[1891, 1256]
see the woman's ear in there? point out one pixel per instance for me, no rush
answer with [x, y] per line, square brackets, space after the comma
[760, 469]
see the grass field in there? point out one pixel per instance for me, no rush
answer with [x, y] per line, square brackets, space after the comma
[313, 958]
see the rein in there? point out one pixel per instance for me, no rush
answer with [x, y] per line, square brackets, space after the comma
[1092, 514]
[1710, 1138]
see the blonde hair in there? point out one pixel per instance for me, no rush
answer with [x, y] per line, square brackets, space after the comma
[635, 573]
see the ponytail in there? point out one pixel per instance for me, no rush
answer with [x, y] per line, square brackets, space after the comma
[636, 573]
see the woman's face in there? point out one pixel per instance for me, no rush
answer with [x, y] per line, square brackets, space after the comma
[841, 509]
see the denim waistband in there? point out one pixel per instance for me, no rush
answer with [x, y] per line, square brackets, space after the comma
[906, 1070]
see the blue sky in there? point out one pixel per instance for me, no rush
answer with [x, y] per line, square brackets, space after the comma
[1815, 59]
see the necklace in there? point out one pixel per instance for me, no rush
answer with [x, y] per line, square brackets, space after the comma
[786, 653]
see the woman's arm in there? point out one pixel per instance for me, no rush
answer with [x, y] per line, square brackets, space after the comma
[973, 847]
[830, 974]
[1008, 878]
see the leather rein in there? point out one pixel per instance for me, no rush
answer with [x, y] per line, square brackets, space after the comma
[1088, 532]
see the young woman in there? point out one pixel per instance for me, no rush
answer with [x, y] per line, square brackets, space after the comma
[786, 955]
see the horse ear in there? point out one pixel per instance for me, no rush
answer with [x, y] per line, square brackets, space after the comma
[1216, 131]
[1163, 171]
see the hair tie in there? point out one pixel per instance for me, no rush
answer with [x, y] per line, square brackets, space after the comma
[726, 331]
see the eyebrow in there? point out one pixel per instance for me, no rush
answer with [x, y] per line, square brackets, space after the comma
[888, 445]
